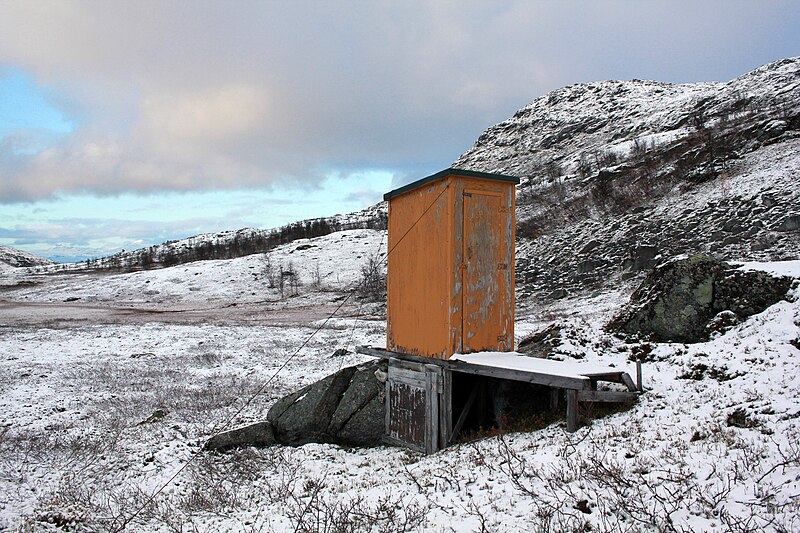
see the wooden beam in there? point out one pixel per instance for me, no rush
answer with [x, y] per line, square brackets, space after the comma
[639, 376]
[526, 376]
[607, 396]
[446, 409]
[626, 379]
[555, 396]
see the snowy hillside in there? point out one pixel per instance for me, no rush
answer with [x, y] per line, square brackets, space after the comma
[229, 244]
[594, 119]
[11, 257]
[331, 262]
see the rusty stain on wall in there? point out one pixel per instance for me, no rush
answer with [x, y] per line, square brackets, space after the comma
[450, 283]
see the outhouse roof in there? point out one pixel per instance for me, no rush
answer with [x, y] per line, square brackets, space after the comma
[450, 172]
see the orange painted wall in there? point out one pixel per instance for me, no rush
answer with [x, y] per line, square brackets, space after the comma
[450, 292]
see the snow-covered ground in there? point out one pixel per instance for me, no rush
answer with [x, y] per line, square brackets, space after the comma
[104, 418]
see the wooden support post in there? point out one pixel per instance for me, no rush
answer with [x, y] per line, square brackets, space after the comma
[464, 412]
[554, 397]
[572, 410]
[639, 376]
[446, 409]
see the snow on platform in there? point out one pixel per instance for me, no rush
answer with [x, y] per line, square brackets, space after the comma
[523, 363]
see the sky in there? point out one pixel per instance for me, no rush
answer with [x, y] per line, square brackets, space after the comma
[128, 123]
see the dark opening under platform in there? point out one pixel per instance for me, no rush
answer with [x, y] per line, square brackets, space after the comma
[430, 401]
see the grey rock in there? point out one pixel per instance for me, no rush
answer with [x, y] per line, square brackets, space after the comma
[644, 258]
[365, 427]
[733, 225]
[589, 246]
[586, 267]
[260, 434]
[344, 408]
[789, 223]
[304, 416]
[747, 292]
[364, 386]
[721, 323]
[541, 343]
[677, 300]
[158, 414]
[768, 200]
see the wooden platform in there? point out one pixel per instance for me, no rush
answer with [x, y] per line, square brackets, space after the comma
[429, 380]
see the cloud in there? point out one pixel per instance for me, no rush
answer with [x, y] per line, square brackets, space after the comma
[212, 95]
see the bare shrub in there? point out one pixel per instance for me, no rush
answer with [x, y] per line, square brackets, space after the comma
[268, 271]
[314, 511]
[316, 276]
[650, 489]
[372, 284]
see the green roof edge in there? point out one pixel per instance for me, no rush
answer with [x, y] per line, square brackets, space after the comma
[449, 172]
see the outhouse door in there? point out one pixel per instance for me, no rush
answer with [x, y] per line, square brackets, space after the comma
[484, 272]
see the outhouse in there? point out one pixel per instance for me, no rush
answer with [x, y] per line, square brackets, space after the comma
[450, 293]
[450, 280]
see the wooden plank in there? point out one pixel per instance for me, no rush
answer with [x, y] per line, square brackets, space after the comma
[464, 412]
[572, 410]
[626, 379]
[433, 386]
[446, 408]
[536, 378]
[612, 376]
[607, 396]
[555, 396]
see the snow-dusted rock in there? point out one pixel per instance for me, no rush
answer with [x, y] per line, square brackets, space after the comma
[346, 407]
[679, 299]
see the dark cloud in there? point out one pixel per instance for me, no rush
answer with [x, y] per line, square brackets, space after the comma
[206, 95]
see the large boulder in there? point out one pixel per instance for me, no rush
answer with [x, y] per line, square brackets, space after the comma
[679, 298]
[304, 416]
[344, 408]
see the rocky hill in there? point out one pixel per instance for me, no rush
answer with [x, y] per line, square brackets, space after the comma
[619, 174]
[11, 257]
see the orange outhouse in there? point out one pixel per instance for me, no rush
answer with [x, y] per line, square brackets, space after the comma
[450, 280]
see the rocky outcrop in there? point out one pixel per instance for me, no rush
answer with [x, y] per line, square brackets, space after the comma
[685, 300]
[344, 408]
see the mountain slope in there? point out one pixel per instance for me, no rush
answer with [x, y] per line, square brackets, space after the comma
[12, 257]
[617, 175]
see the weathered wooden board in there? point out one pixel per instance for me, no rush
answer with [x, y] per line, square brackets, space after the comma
[607, 396]
[413, 395]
